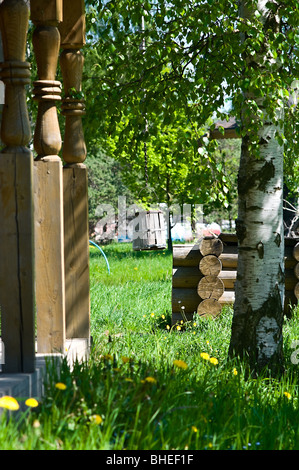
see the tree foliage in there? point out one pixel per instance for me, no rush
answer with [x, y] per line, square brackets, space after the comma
[105, 183]
[157, 72]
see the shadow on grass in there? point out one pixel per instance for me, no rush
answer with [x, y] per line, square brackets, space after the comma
[125, 251]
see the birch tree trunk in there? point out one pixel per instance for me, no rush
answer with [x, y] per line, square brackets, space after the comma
[259, 289]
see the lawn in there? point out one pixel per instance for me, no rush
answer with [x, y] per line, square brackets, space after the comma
[148, 385]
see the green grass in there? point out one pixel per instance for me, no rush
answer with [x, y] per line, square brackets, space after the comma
[141, 396]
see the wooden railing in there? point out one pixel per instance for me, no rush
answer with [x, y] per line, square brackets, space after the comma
[44, 270]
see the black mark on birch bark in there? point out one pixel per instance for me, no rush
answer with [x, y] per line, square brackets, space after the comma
[260, 250]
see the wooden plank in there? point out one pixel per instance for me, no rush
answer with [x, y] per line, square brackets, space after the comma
[228, 238]
[228, 134]
[189, 277]
[72, 29]
[49, 254]
[189, 255]
[186, 255]
[296, 252]
[229, 260]
[186, 298]
[46, 11]
[186, 277]
[76, 251]
[17, 262]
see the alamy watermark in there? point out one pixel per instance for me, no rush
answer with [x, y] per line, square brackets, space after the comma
[2, 352]
[295, 354]
[127, 222]
[2, 92]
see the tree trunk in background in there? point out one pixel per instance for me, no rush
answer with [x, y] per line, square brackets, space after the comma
[259, 289]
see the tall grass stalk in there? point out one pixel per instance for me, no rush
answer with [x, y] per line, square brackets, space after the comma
[149, 385]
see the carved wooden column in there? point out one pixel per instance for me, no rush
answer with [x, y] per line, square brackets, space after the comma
[48, 182]
[72, 31]
[16, 197]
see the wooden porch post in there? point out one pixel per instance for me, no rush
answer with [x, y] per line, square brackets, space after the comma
[48, 185]
[76, 228]
[16, 197]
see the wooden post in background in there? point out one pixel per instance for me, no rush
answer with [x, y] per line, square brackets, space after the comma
[48, 185]
[76, 227]
[16, 197]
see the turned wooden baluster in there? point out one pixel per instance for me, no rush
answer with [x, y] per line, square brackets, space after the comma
[48, 181]
[72, 31]
[16, 196]
[46, 16]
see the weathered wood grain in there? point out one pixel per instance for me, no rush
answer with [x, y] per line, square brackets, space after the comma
[49, 255]
[76, 251]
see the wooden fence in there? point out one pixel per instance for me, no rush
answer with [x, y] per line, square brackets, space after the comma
[44, 248]
[204, 276]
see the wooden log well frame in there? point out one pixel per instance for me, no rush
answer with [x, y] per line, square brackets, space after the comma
[204, 276]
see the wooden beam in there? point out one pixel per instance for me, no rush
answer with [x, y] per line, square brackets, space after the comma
[76, 249]
[50, 284]
[229, 130]
[46, 12]
[76, 227]
[49, 243]
[72, 29]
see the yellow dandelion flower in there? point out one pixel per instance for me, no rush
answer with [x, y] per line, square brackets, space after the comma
[135, 269]
[214, 361]
[96, 419]
[194, 324]
[9, 403]
[167, 327]
[108, 357]
[194, 429]
[60, 386]
[208, 342]
[205, 356]
[163, 316]
[150, 380]
[152, 314]
[235, 372]
[288, 395]
[180, 364]
[31, 402]
[125, 359]
[178, 328]
[210, 445]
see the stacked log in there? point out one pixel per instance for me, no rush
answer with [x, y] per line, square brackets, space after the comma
[200, 275]
[211, 287]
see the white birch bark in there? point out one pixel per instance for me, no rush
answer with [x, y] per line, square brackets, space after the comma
[259, 297]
